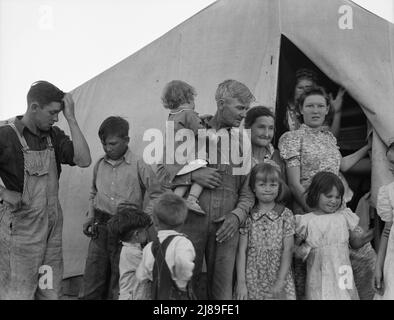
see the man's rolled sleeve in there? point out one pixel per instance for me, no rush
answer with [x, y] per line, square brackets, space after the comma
[64, 146]
[150, 183]
[246, 201]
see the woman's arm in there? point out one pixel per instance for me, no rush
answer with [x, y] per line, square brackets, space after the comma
[298, 191]
[285, 264]
[337, 107]
[350, 160]
[241, 290]
[378, 279]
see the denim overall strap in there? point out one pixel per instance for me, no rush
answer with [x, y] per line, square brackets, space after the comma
[31, 237]
[21, 138]
[163, 286]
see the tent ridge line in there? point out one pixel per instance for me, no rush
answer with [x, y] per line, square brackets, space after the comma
[152, 42]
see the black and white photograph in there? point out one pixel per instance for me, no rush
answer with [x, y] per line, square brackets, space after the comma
[196, 150]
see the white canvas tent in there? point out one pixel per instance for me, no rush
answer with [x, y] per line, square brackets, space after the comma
[239, 40]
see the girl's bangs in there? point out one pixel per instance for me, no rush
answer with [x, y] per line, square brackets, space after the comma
[268, 175]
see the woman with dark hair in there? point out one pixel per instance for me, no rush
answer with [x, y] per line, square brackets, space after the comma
[311, 149]
[305, 79]
[261, 122]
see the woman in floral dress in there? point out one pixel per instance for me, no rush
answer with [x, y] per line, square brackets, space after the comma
[311, 149]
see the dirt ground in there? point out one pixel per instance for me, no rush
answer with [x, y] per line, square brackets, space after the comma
[72, 288]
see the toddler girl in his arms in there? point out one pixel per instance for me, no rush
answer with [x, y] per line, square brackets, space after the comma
[131, 224]
[324, 236]
[169, 260]
[178, 96]
[266, 242]
[384, 270]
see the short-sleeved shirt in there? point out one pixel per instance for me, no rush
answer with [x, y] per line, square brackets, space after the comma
[269, 229]
[313, 150]
[11, 154]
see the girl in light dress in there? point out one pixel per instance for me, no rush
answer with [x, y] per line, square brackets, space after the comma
[266, 242]
[323, 238]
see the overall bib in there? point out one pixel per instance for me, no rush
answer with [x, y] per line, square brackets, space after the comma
[31, 260]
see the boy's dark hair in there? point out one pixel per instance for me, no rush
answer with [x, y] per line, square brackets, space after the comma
[257, 112]
[322, 183]
[270, 173]
[177, 93]
[44, 93]
[128, 219]
[170, 210]
[114, 126]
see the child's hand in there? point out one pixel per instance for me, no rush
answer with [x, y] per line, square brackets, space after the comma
[378, 281]
[88, 227]
[241, 292]
[277, 289]
[302, 251]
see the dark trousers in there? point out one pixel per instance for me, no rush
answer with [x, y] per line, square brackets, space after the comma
[220, 257]
[101, 277]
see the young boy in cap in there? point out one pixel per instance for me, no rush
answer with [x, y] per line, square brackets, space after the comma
[169, 260]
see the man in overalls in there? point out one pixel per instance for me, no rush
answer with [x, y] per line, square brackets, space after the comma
[31, 153]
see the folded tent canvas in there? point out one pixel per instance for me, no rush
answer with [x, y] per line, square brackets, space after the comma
[239, 40]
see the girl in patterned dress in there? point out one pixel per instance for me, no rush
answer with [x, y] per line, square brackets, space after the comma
[325, 234]
[266, 242]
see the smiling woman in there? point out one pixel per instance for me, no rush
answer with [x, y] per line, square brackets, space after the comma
[261, 122]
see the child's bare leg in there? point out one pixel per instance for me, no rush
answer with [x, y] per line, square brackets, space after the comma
[181, 190]
[192, 199]
[195, 191]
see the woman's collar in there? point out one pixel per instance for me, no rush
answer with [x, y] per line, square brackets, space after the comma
[322, 128]
[269, 152]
